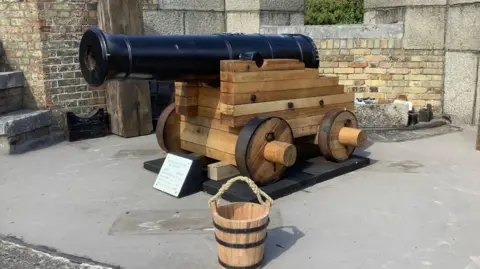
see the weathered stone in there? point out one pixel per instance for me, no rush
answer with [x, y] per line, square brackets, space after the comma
[243, 22]
[463, 28]
[322, 32]
[35, 139]
[460, 81]
[454, 2]
[476, 119]
[23, 121]
[11, 100]
[202, 23]
[283, 5]
[401, 3]
[274, 18]
[384, 16]
[382, 115]
[163, 22]
[2, 51]
[424, 28]
[210, 5]
[11, 80]
[244, 5]
[297, 18]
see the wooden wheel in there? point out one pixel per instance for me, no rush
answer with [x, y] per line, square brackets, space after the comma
[168, 130]
[265, 149]
[338, 135]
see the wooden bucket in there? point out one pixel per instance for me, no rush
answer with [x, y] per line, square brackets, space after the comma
[240, 228]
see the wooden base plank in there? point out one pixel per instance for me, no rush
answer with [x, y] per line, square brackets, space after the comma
[268, 65]
[209, 152]
[210, 123]
[240, 121]
[221, 171]
[260, 97]
[277, 75]
[211, 138]
[257, 108]
[270, 86]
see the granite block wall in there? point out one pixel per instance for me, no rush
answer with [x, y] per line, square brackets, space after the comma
[452, 26]
[371, 61]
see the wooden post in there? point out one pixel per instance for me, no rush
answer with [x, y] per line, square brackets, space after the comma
[128, 102]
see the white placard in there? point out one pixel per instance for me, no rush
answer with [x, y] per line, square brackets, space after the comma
[173, 174]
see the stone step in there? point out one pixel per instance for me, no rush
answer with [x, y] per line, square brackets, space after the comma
[9, 80]
[25, 130]
[11, 91]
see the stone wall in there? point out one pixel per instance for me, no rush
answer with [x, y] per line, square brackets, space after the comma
[371, 61]
[453, 26]
[216, 16]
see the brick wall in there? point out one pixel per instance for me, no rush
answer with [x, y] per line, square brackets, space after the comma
[41, 38]
[381, 69]
[20, 34]
[371, 60]
[63, 24]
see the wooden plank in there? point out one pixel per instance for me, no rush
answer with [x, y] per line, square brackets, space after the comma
[268, 65]
[270, 86]
[221, 170]
[210, 138]
[257, 108]
[240, 121]
[305, 121]
[186, 101]
[276, 75]
[128, 102]
[209, 152]
[260, 97]
[305, 131]
[210, 123]
[189, 111]
[186, 91]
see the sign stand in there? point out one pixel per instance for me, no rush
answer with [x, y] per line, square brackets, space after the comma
[180, 175]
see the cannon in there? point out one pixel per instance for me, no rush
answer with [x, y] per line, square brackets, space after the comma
[245, 100]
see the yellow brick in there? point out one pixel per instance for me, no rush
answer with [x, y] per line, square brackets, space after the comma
[413, 64]
[375, 71]
[418, 58]
[376, 82]
[424, 96]
[418, 102]
[416, 90]
[358, 76]
[329, 44]
[435, 77]
[385, 89]
[328, 70]
[398, 71]
[360, 51]
[346, 82]
[416, 77]
[342, 77]
[397, 83]
[428, 71]
[328, 64]
[398, 77]
[416, 71]
[385, 65]
[358, 70]
[344, 70]
[343, 64]
[376, 95]
[376, 58]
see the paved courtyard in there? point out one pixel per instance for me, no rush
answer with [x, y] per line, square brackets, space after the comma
[417, 206]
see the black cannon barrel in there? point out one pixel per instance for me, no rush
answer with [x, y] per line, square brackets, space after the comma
[105, 57]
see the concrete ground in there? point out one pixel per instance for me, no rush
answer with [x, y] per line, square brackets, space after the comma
[417, 206]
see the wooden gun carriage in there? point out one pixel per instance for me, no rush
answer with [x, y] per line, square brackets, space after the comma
[244, 100]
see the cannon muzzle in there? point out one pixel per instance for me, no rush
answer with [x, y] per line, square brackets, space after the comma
[105, 57]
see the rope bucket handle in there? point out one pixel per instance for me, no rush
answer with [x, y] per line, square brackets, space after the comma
[252, 186]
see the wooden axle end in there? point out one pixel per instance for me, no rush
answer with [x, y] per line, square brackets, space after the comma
[281, 153]
[352, 137]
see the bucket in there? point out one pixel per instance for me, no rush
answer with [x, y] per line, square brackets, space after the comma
[240, 228]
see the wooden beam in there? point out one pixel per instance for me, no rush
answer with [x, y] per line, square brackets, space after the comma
[128, 102]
